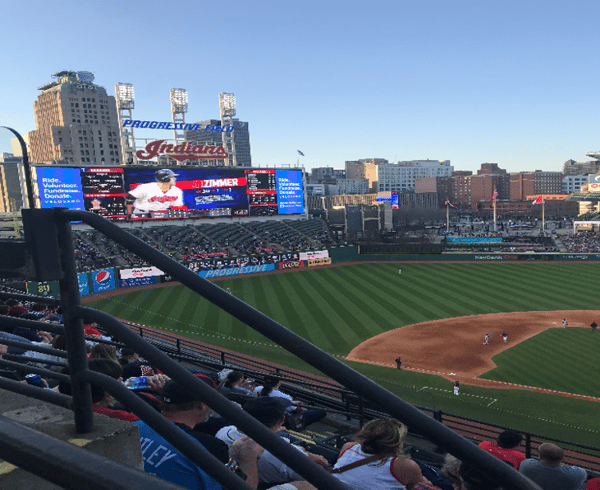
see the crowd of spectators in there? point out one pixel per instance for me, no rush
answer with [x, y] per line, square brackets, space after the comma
[93, 250]
[583, 242]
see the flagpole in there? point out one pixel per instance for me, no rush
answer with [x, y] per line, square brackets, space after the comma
[447, 218]
[543, 215]
[495, 227]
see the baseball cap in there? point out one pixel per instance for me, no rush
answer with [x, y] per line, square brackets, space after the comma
[267, 408]
[174, 393]
[164, 175]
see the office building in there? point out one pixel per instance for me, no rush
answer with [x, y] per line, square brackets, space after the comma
[573, 183]
[352, 186]
[326, 175]
[76, 123]
[365, 168]
[400, 177]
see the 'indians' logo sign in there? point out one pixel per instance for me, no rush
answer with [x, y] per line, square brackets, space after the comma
[182, 152]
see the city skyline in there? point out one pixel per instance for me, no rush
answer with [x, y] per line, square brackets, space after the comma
[511, 84]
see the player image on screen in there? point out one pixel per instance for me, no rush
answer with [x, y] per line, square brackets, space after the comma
[155, 196]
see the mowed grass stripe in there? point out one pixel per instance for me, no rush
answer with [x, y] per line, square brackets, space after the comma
[507, 287]
[559, 359]
[366, 320]
[328, 314]
[493, 290]
[402, 303]
[383, 312]
[453, 301]
[296, 312]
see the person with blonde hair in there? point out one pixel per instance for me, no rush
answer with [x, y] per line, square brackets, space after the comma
[376, 460]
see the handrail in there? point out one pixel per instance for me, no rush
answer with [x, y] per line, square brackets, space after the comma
[68, 465]
[421, 423]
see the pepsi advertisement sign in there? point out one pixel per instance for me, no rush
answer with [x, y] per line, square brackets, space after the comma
[103, 280]
[84, 284]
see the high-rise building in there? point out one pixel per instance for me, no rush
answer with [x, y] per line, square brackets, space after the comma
[76, 122]
[241, 139]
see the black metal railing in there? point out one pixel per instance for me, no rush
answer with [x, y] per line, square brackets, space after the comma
[49, 241]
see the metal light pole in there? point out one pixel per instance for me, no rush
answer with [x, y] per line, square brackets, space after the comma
[28, 184]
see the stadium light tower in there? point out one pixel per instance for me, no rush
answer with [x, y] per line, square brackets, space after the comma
[179, 106]
[227, 106]
[125, 104]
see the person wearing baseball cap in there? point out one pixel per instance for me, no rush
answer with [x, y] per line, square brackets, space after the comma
[155, 196]
[184, 409]
[270, 411]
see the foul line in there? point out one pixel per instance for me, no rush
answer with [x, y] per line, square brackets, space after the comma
[494, 400]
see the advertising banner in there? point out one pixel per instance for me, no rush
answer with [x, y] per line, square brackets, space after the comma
[45, 288]
[233, 271]
[291, 265]
[320, 254]
[137, 281]
[471, 239]
[316, 262]
[84, 283]
[289, 191]
[140, 272]
[60, 188]
[103, 280]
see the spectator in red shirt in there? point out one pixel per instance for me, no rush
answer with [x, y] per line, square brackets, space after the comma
[504, 448]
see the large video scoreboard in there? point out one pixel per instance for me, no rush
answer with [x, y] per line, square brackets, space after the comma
[144, 193]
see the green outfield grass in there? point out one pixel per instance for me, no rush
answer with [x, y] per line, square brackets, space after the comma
[337, 308]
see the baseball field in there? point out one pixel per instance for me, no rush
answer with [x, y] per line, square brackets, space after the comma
[543, 379]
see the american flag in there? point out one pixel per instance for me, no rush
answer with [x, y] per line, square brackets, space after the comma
[300, 153]
[494, 196]
[448, 203]
[538, 200]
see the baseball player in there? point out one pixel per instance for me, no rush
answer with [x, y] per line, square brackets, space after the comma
[155, 196]
[456, 387]
[487, 339]
[564, 322]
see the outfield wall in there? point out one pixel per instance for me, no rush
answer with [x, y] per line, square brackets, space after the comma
[109, 278]
[352, 254]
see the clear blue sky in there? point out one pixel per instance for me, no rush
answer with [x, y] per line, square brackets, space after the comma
[471, 81]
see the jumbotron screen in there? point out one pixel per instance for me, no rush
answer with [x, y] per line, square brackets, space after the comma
[143, 193]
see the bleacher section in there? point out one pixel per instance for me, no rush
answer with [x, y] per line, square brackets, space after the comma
[208, 240]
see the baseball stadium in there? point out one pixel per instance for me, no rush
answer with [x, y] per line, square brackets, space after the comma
[543, 379]
[482, 342]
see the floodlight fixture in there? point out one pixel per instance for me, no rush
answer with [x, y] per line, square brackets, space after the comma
[227, 104]
[179, 100]
[125, 95]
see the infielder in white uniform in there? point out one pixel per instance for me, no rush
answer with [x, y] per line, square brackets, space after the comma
[155, 196]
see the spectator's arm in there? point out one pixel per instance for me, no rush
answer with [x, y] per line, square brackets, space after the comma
[247, 453]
